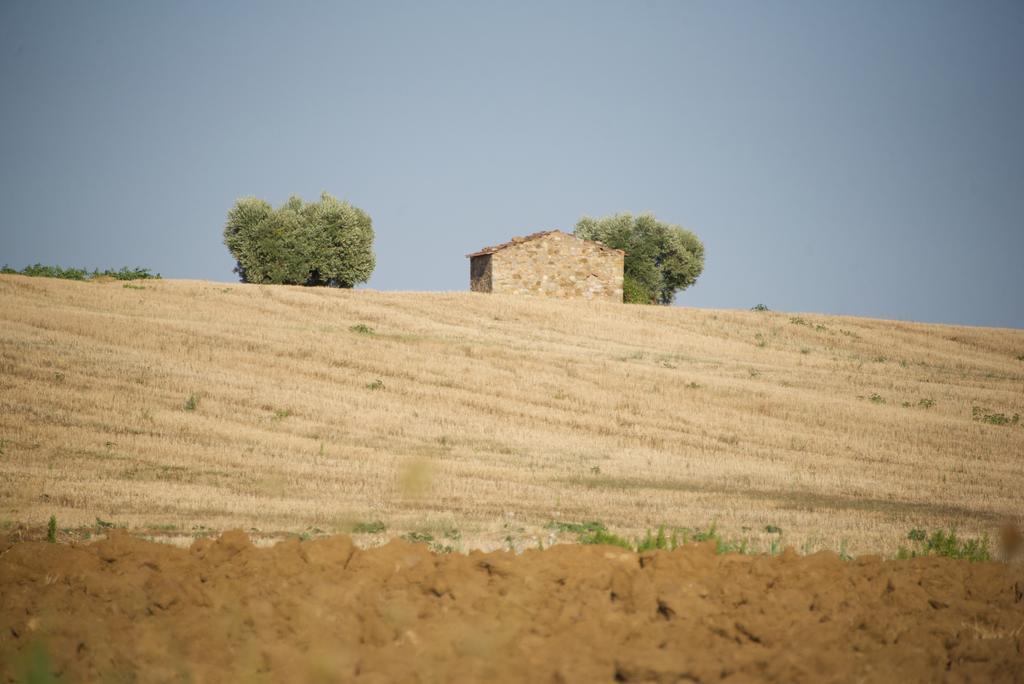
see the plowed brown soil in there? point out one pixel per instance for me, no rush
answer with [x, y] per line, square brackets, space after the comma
[127, 609]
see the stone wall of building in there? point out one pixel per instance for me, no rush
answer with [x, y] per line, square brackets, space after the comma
[558, 265]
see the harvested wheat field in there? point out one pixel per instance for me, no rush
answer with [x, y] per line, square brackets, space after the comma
[178, 409]
[321, 610]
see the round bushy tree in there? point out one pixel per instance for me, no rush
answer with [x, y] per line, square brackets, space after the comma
[321, 243]
[661, 258]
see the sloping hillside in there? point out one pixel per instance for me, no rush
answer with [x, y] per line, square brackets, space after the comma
[183, 406]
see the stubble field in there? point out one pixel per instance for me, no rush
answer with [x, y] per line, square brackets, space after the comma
[178, 410]
[181, 408]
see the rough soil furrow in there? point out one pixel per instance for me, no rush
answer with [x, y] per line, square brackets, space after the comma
[224, 610]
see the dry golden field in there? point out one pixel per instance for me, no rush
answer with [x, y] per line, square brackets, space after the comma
[481, 418]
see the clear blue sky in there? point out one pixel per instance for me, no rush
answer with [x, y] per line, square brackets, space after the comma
[862, 158]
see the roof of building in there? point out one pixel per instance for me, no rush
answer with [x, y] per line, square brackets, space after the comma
[534, 236]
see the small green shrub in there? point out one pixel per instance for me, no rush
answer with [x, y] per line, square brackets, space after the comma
[710, 534]
[926, 403]
[418, 537]
[51, 530]
[371, 527]
[805, 350]
[759, 307]
[576, 528]
[129, 274]
[596, 533]
[981, 415]
[606, 538]
[362, 329]
[377, 384]
[945, 544]
[652, 542]
[722, 545]
[796, 320]
[40, 271]
[202, 531]
[773, 529]
[192, 403]
[876, 399]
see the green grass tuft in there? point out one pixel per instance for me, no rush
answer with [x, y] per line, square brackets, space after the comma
[982, 415]
[576, 528]
[654, 542]
[371, 527]
[597, 533]
[947, 545]
[606, 538]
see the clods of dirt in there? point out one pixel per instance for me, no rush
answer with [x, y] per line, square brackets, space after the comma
[323, 610]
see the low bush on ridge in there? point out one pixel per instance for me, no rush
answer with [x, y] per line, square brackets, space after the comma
[41, 271]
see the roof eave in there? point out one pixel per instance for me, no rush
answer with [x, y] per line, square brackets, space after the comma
[534, 236]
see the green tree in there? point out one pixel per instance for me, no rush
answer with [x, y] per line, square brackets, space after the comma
[661, 258]
[321, 243]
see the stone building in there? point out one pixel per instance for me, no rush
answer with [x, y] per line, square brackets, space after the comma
[549, 264]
